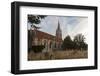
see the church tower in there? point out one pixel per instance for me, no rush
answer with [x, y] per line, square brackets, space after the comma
[58, 32]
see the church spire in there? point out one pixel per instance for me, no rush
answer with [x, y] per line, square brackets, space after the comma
[58, 31]
[58, 26]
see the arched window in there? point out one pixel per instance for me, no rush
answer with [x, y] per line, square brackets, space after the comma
[45, 43]
[50, 46]
[55, 45]
[36, 41]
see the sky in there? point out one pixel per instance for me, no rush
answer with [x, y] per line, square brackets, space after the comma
[70, 25]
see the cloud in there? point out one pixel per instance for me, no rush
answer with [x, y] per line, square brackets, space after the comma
[81, 27]
[49, 24]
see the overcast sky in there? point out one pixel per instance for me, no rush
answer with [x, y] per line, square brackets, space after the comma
[70, 25]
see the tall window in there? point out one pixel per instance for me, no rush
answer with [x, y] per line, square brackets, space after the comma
[50, 46]
[55, 45]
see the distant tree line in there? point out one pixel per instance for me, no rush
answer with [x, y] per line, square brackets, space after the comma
[78, 43]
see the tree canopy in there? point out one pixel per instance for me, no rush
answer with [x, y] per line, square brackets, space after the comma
[35, 19]
[77, 43]
[67, 43]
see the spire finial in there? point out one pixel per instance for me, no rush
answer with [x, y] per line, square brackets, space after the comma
[58, 25]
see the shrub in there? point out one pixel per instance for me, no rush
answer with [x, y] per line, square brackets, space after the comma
[38, 48]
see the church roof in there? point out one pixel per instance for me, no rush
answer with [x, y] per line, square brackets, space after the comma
[44, 35]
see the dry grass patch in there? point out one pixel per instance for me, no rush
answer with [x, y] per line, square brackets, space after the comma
[68, 54]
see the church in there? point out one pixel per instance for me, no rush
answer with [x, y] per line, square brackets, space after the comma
[50, 42]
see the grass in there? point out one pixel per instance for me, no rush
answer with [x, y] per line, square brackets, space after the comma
[68, 54]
